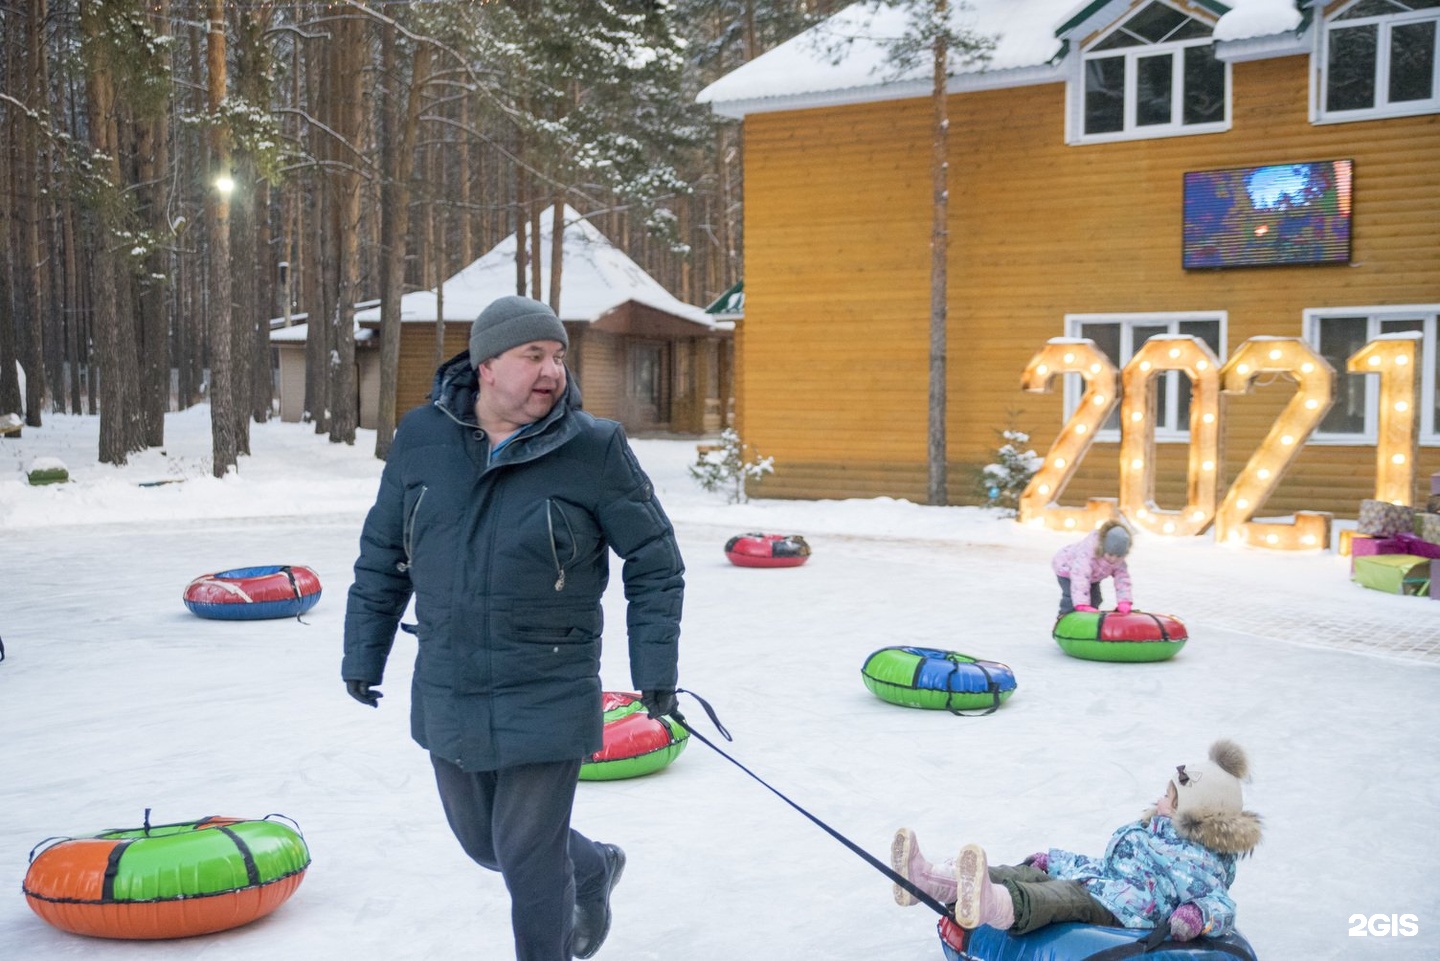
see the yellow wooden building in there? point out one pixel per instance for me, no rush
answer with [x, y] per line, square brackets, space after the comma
[1068, 154]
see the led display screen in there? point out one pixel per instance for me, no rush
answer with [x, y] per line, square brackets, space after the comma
[1297, 213]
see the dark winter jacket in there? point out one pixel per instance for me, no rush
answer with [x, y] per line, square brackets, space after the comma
[507, 556]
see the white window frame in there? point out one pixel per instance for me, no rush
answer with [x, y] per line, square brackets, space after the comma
[1074, 385]
[1320, 112]
[1429, 314]
[1075, 116]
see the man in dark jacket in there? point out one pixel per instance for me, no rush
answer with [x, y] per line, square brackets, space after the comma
[498, 507]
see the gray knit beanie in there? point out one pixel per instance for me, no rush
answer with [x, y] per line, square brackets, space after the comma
[510, 322]
[1117, 542]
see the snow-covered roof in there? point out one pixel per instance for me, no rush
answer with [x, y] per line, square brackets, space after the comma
[844, 59]
[297, 333]
[595, 278]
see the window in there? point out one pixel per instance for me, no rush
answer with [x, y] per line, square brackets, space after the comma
[1153, 74]
[1338, 333]
[1380, 59]
[1119, 336]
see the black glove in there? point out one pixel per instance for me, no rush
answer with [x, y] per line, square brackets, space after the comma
[362, 692]
[659, 701]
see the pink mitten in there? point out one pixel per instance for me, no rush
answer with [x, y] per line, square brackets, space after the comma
[1085, 607]
[1040, 860]
[1186, 924]
[1123, 607]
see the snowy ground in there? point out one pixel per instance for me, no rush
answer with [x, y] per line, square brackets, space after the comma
[114, 698]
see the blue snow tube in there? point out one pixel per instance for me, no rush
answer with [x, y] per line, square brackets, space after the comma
[1079, 942]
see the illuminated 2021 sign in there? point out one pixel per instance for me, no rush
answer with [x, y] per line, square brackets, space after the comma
[1392, 357]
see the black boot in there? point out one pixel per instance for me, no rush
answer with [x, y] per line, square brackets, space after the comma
[592, 918]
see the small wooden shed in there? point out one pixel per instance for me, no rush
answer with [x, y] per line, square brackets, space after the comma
[288, 344]
[640, 355]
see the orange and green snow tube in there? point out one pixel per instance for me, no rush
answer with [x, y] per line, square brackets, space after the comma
[166, 881]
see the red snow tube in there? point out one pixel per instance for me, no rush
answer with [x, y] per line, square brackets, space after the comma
[254, 593]
[767, 550]
[1112, 636]
[635, 743]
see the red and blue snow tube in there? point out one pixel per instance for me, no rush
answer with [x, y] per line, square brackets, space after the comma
[254, 593]
[767, 550]
[1083, 942]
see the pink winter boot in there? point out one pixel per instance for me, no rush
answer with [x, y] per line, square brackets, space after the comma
[936, 880]
[977, 901]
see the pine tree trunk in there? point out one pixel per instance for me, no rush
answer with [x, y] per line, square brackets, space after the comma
[243, 298]
[10, 398]
[321, 281]
[402, 124]
[557, 249]
[29, 166]
[222, 388]
[153, 156]
[116, 355]
[262, 373]
[348, 43]
[76, 343]
[939, 249]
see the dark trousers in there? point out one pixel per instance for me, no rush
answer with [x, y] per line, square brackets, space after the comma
[1067, 606]
[1040, 899]
[517, 821]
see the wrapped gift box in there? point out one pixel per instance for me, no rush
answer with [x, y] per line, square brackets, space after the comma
[1382, 518]
[1363, 545]
[1410, 544]
[1427, 526]
[1393, 573]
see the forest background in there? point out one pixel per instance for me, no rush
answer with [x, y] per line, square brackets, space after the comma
[176, 174]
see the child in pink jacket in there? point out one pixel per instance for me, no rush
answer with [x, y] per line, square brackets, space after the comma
[1081, 567]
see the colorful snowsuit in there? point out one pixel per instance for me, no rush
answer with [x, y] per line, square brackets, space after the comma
[1148, 870]
[1082, 567]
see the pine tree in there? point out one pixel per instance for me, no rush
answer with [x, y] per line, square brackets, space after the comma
[1001, 483]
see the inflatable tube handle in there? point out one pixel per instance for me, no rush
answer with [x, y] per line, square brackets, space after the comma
[289, 573]
[1159, 936]
[708, 710]
[59, 839]
[288, 818]
[991, 687]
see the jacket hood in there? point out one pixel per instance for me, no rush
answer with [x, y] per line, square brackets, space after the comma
[1237, 833]
[457, 384]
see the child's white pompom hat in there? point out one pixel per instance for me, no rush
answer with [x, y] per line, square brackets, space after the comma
[1209, 802]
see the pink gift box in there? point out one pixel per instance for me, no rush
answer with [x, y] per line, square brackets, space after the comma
[1364, 545]
[1410, 544]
